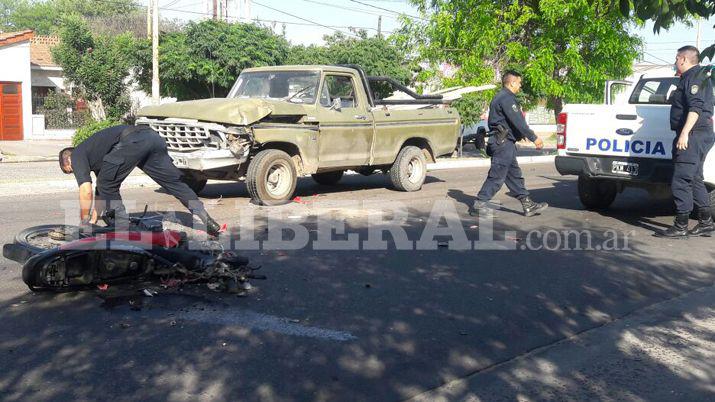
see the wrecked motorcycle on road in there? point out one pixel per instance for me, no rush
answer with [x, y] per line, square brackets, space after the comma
[64, 257]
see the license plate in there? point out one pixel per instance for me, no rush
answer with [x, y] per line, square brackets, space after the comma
[180, 162]
[625, 168]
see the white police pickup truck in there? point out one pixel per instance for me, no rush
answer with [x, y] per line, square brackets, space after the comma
[613, 146]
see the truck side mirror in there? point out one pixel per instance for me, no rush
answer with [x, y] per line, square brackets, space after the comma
[337, 104]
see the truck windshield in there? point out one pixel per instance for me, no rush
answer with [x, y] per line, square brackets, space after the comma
[291, 86]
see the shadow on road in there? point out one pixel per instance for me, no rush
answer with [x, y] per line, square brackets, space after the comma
[410, 320]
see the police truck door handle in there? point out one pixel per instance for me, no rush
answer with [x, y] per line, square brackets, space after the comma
[626, 117]
[361, 117]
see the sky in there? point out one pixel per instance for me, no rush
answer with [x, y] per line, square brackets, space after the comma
[307, 21]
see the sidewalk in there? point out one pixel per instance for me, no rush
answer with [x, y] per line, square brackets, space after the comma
[31, 150]
[663, 352]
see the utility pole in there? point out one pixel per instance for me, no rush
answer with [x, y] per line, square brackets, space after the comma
[379, 26]
[148, 20]
[697, 35]
[155, 52]
[215, 14]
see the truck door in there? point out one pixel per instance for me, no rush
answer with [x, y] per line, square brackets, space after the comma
[346, 124]
[640, 128]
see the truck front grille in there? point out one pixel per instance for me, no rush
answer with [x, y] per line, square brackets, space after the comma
[182, 137]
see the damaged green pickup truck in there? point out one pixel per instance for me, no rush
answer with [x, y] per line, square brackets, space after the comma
[281, 123]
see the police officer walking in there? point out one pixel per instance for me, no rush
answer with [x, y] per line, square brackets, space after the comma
[691, 115]
[112, 154]
[505, 117]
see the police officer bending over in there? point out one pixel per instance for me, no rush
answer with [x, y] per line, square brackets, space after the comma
[505, 116]
[691, 115]
[112, 154]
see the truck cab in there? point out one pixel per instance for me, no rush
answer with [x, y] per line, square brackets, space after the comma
[621, 144]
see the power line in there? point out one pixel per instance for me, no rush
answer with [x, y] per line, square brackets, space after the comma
[388, 10]
[360, 10]
[303, 19]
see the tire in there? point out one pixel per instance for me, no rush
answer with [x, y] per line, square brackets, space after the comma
[271, 177]
[409, 170]
[596, 194]
[712, 201]
[328, 178]
[27, 238]
[195, 181]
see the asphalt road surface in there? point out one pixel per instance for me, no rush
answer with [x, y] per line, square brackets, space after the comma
[371, 325]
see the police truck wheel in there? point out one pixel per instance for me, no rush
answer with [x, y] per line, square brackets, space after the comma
[596, 194]
[271, 177]
[196, 182]
[328, 178]
[409, 170]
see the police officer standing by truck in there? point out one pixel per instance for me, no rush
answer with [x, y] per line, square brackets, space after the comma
[691, 116]
[508, 125]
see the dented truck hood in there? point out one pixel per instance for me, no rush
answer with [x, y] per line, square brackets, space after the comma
[235, 111]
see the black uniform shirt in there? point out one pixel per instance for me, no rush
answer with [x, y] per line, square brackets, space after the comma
[693, 94]
[504, 110]
[88, 155]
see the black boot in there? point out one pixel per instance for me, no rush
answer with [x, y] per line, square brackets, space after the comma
[705, 225]
[212, 227]
[481, 208]
[532, 208]
[679, 230]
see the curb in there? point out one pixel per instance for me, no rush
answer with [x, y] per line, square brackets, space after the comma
[479, 162]
[56, 186]
[28, 159]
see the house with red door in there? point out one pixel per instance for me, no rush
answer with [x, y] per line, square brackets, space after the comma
[27, 76]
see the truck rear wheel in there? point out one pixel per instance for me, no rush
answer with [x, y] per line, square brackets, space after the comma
[195, 181]
[271, 177]
[409, 170]
[328, 178]
[595, 193]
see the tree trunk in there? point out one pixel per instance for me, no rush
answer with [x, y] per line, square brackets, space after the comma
[557, 105]
[97, 110]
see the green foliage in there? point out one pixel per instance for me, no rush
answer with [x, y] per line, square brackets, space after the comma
[58, 109]
[90, 128]
[376, 55]
[471, 106]
[565, 49]
[97, 66]
[45, 16]
[205, 59]
[665, 12]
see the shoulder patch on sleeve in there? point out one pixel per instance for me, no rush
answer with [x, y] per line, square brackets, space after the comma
[514, 108]
[694, 89]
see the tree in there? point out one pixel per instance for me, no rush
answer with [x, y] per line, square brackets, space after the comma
[565, 49]
[99, 67]
[665, 12]
[205, 59]
[376, 55]
[45, 16]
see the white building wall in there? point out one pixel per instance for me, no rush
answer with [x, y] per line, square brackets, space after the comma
[16, 68]
[48, 77]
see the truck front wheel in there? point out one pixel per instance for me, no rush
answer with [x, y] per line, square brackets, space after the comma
[271, 177]
[409, 170]
[595, 193]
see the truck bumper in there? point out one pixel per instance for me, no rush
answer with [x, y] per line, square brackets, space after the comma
[649, 170]
[208, 159]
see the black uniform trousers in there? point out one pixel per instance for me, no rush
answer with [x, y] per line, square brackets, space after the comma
[504, 169]
[687, 184]
[146, 150]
